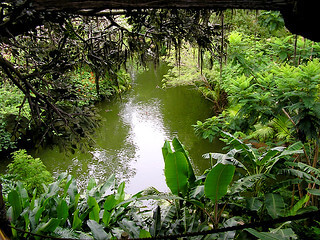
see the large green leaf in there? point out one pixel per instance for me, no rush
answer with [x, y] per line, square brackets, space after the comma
[73, 191]
[40, 210]
[156, 224]
[274, 204]
[107, 185]
[166, 149]
[298, 205]
[243, 184]
[144, 234]
[53, 189]
[293, 149]
[69, 180]
[179, 148]
[108, 206]
[15, 202]
[264, 235]
[268, 156]
[77, 222]
[120, 193]
[315, 192]
[91, 184]
[129, 227]
[97, 230]
[305, 168]
[176, 172]
[95, 209]
[254, 204]
[62, 211]
[23, 195]
[50, 226]
[226, 158]
[218, 180]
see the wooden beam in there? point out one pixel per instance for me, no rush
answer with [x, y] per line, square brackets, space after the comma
[74, 5]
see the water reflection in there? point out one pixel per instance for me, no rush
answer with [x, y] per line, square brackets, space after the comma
[130, 138]
[148, 135]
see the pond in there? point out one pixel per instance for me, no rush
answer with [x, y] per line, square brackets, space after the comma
[133, 131]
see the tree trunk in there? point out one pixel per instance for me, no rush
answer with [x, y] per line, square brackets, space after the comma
[4, 222]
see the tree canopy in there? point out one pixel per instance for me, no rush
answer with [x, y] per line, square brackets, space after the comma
[39, 59]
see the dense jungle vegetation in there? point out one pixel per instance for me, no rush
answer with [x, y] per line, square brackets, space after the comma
[263, 83]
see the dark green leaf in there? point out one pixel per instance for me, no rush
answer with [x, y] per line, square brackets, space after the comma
[263, 235]
[254, 204]
[49, 227]
[274, 204]
[315, 192]
[62, 211]
[97, 230]
[156, 224]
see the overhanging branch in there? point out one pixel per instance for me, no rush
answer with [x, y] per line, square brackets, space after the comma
[136, 4]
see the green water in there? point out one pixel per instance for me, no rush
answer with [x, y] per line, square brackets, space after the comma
[133, 131]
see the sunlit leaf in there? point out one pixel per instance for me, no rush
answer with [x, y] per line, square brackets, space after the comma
[218, 180]
[95, 209]
[179, 148]
[299, 205]
[15, 202]
[176, 172]
[144, 234]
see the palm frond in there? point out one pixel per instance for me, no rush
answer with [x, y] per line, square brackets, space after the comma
[262, 131]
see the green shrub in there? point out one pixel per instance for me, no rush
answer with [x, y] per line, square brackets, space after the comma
[30, 171]
[11, 116]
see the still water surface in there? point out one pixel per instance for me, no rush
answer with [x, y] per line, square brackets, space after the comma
[133, 131]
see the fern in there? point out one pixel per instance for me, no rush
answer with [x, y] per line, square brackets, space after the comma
[262, 132]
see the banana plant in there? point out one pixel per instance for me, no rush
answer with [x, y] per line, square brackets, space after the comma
[193, 191]
[63, 211]
[255, 166]
[178, 170]
[216, 185]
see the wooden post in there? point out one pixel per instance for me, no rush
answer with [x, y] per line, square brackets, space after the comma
[124, 236]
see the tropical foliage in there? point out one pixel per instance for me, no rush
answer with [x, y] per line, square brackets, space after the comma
[264, 86]
[196, 203]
